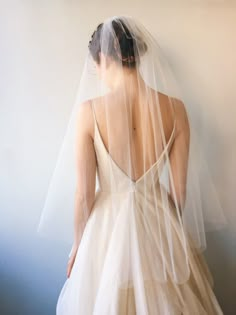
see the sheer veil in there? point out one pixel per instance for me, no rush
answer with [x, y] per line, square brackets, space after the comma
[129, 97]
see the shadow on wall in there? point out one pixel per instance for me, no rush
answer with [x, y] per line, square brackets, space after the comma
[24, 288]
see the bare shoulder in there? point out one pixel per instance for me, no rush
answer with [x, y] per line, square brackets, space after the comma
[181, 116]
[182, 120]
[85, 118]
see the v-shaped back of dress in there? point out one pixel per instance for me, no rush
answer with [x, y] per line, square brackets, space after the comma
[111, 174]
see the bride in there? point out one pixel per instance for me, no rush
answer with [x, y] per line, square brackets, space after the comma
[138, 217]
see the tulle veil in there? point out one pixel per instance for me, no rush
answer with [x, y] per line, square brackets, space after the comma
[129, 87]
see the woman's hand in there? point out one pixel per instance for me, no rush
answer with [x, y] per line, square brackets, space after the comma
[71, 260]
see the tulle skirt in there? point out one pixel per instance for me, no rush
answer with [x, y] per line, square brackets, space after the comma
[115, 273]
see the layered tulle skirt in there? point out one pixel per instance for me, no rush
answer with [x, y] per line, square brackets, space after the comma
[121, 269]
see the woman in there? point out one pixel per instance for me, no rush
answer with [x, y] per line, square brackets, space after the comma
[138, 237]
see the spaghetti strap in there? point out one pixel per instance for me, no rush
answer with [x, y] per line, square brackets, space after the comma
[93, 111]
[173, 133]
[94, 119]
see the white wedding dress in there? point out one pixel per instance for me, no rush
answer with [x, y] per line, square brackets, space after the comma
[114, 248]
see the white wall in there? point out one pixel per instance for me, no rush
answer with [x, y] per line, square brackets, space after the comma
[42, 46]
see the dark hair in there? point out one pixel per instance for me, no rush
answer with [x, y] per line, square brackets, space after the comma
[122, 46]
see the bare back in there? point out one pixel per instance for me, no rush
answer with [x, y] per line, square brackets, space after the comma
[141, 133]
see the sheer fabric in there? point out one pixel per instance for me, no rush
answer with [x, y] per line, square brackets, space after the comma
[131, 162]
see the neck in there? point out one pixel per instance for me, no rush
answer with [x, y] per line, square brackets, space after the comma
[128, 79]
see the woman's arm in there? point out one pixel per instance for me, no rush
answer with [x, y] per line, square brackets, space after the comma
[179, 155]
[86, 177]
[86, 170]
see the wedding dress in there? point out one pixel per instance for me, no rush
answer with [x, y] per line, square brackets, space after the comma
[142, 242]
[115, 244]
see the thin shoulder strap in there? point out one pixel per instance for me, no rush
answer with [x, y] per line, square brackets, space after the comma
[170, 141]
[96, 131]
[173, 131]
[94, 116]
[172, 136]
[92, 107]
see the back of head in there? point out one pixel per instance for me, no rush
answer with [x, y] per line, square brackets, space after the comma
[119, 39]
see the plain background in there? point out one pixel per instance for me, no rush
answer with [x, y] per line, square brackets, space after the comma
[42, 49]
